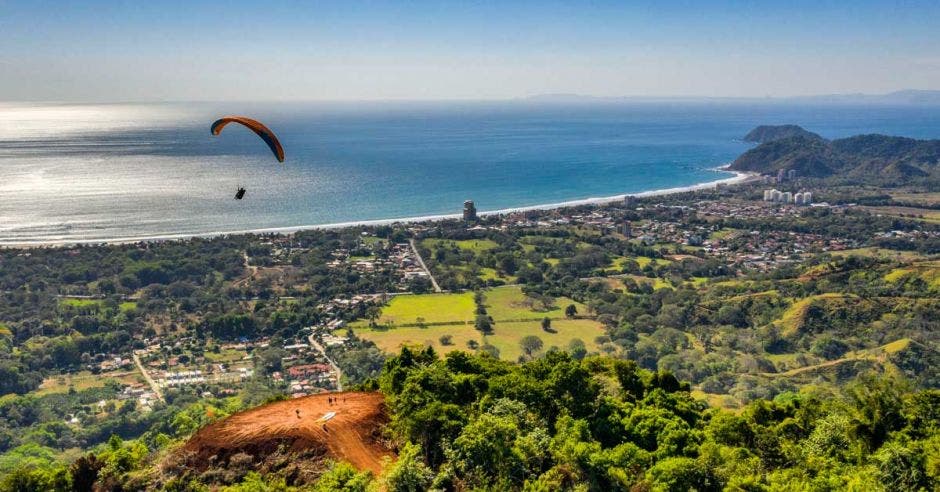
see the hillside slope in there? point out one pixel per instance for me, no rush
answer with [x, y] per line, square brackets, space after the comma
[864, 158]
[768, 133]
[301, 424]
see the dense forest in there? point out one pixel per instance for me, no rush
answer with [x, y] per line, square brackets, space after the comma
[471, 422]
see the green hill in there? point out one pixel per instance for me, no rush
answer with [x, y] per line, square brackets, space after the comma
[863, 158]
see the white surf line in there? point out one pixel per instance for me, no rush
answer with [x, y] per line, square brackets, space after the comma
[739, 177]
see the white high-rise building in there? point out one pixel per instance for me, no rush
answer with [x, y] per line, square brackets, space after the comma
[787, 197]
[807, 198]
[769, 195]
[798, 198]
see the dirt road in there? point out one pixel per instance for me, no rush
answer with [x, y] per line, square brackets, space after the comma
[339, 372]
[143, 371]
[351, 434]
[414, 248]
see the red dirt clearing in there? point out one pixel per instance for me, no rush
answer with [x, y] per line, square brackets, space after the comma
[352, 434]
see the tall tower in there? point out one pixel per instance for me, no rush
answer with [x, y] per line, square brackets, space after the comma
[469, 211]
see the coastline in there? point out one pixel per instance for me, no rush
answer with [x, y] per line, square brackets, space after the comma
[738, 178]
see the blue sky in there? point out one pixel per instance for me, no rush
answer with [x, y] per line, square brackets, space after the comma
[303, 50]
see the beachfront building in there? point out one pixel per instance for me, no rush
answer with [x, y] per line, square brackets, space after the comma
[469, 211]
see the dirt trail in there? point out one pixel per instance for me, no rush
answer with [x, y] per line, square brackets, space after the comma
[352, 434]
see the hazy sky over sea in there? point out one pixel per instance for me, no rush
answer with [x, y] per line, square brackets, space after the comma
[253, 50]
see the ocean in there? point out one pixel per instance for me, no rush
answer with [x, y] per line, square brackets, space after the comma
[105, 172]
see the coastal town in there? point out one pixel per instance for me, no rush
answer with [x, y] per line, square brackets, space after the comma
[691, 229]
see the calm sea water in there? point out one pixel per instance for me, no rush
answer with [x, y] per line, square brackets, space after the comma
[99, 172]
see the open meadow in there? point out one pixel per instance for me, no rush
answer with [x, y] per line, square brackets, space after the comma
[514, 314]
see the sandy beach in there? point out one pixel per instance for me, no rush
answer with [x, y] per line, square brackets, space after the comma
[739, 177]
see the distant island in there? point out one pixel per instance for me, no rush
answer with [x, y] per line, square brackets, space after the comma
[869, 159]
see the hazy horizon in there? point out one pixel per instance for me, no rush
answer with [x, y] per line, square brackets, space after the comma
[379, 51]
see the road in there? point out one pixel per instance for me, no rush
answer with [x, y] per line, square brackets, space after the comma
[153, 384]
[339, 373]
[437, 288]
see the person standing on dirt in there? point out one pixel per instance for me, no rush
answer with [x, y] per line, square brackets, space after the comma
[298, 413]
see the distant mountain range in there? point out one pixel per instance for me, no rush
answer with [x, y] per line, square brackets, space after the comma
[904, 97]
[880, 159]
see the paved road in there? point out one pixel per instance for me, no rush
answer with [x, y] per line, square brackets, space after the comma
[437, 288]
[153, 384]
[339, 373]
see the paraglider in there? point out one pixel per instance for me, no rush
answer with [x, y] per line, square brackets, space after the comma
[262, 131]
[256, 126]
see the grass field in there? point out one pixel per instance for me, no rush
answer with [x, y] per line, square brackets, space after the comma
[96, 304]
[433, 308]
[474, 245]
[85, 380]
[371, 240]
[80, 303]
[509, 303]
[225, 356]
[453, 314]
[880, 253]
[392, 339]
[505, 336]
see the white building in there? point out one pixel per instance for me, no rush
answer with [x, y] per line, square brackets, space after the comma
[800, 198]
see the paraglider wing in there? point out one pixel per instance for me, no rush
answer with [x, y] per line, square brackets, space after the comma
[262, 131]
